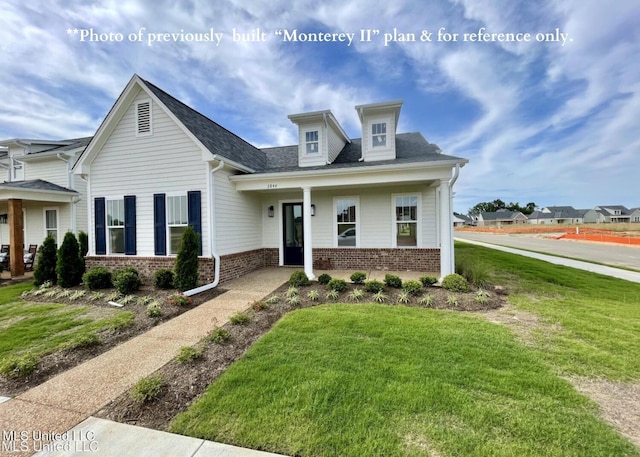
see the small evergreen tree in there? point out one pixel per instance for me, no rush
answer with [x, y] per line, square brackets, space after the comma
[46, 263]
[83, 241]
[186, 270]
[69, 266]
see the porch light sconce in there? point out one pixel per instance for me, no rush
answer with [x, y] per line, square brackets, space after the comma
[313, 210]
[270, 211]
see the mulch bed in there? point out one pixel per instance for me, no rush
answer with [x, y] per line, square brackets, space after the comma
[57, 362]
[184, 382]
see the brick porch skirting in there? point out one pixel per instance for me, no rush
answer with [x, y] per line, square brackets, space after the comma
[414, 259]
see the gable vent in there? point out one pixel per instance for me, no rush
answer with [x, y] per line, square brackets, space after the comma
[144, 118]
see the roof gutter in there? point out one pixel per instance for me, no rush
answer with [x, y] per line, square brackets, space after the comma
[231, 163]
[212, 242]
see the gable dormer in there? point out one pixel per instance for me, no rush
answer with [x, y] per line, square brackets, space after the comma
[379, 123]
[320, 138]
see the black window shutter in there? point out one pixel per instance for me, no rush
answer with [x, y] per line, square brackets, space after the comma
[101, 232]
[159, 224]
[195, 213]
[130, 224]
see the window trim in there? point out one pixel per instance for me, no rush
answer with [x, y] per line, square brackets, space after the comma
[335, 222]
[44, 215]
[168, 226]
[394, 221]
[109, 227]
[144, 133]
[307, 142]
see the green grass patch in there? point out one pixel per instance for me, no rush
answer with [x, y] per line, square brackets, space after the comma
[376, 380]
[36, 329]
[598, 317]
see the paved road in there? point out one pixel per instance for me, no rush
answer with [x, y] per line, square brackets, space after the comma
[611, 254]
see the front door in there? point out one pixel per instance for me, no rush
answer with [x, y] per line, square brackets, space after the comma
[292, 233]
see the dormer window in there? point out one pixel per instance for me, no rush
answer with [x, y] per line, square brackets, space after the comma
[143, 112]
[379, 134]
[311, 141]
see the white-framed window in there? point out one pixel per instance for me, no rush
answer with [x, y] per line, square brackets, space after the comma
[17, 170]
[406, 224]
[177, 220]
[115, 226]
[143, 118]
[347, 229]
[51, 223]
[379, 134]
[312, 145]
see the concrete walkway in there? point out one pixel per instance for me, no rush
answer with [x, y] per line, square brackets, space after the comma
[66, 400]
[594, 268]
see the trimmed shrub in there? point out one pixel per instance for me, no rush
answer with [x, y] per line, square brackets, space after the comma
[455, 283]
[412, 287]
[147, 389]
[189, 354]
[358, 277]
[298, 278]
[69, 265]
[374, 286]
[18, 366]
[83, 242]
[97, 278]
[126, 281]
[163, 279]
[339, 285]
[186, 270]
[46, 264]
[218, 335]
[392, 281]
[428, 281]
[324, 278]
[240, 318]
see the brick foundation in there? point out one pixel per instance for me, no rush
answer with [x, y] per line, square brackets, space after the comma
[236, 265]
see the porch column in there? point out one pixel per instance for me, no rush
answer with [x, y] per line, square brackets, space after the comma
[16, 250]
[447, 263]
[306, 221]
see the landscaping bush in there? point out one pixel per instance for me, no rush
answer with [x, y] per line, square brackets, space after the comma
[219, 335]
[84, 341]
[189, 354]
[428, 281]
[412, 287]
[186, 270]
[163, 279]
[18, 366]
[127, 280]
[339, 285]
[392, 281]
[358, 277]
[324, 278]
[374, 286]
[455, 283]
[180, 300]
[69, 265]
[153, 310]
[97, 278]
[46, 264]
[147, 389]
[83, 242]
[476, 272]
[298, 278]
[240, 318]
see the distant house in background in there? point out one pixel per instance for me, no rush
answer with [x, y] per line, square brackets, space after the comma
[39, 196]
[460, 220]
[500, 217]
[635, 215]
[557, 215]
[608, 214]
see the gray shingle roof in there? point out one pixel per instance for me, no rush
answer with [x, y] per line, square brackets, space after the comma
[500, 215]
[410, 148]
[213, 136]
[36, 184]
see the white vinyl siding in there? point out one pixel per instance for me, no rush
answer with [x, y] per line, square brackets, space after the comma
[335, 145]
[373, 149]
[144, 166]
[53, 170]
[35, 223]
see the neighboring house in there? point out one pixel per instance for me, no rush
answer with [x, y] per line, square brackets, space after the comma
[40, 195]
[156, 166]
[499, 218]
[634, 215]
[566, 215]
[608, 214]
[460, 220]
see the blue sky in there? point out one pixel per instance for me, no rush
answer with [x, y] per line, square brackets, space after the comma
[542, 121]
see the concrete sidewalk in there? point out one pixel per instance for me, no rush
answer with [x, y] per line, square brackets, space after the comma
[71, 397]
[592, 267]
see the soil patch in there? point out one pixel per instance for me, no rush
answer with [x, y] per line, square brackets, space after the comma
[184, 382]
[57, 362]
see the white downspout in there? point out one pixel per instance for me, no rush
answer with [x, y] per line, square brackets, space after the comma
[212, 233]
[453, 180]
[70, 185]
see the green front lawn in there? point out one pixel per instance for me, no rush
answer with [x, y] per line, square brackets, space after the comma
[32, 329]
[374, 380]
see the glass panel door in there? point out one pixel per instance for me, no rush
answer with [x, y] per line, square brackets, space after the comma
[292, 233]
